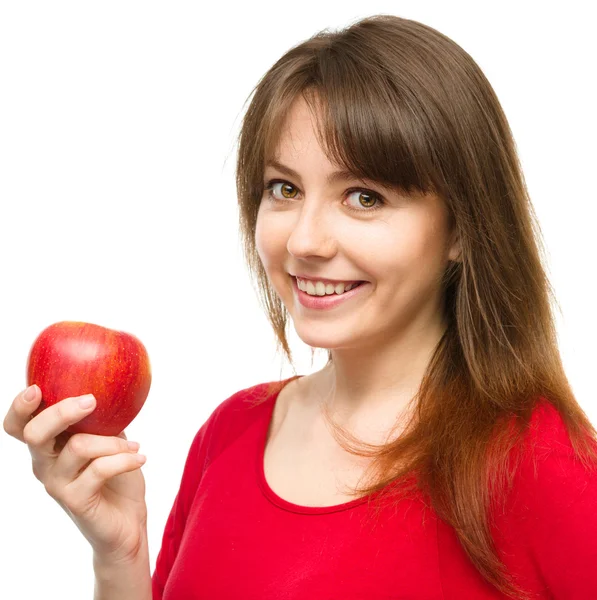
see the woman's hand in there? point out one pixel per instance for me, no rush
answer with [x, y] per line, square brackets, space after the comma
[96, 479]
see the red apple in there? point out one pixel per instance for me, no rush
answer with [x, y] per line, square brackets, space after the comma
[71, 358]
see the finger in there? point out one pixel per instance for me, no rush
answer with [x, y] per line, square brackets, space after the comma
[89, 483]
[84, 447]
[63, 438]
[41, 432]
[20, 411]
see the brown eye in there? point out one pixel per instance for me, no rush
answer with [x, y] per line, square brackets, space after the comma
[373, 201]
[365, 198]
[285, 190]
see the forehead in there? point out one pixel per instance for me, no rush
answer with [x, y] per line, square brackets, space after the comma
[333, 177]
[298, 130]
[298, 127]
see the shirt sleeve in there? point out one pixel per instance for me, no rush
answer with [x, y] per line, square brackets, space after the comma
[177, 518]
[555, 513]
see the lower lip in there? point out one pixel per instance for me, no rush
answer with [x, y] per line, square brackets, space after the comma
[326, 302]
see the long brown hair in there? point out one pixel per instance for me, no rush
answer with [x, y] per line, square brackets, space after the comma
[400, 103]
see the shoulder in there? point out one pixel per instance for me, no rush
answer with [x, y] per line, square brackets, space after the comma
[548, 455]
[548, 452]
[554, 492]
[551, 517]
[547, 429]
[244, 405]
[232, 416]
[545, 474]
[251, 402]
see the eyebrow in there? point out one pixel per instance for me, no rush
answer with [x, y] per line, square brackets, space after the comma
[342, 175]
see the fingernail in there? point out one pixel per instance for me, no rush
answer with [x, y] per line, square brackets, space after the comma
[86, 401]
[30, 393]
[133, 445]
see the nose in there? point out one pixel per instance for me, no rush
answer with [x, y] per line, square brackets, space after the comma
[311, 236]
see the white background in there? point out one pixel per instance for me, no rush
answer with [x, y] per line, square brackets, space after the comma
[118, 207]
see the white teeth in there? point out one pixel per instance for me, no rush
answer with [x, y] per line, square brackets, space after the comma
[322, 289]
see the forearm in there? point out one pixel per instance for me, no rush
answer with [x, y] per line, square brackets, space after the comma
[123, 581]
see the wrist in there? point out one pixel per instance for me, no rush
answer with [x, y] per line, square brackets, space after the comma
[122, 578]
[137, 553]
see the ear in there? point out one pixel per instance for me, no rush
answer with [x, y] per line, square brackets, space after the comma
[454, 245]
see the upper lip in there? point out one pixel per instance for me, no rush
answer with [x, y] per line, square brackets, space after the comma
[325, 279]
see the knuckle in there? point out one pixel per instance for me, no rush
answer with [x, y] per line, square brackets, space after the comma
[31, 435]
[97, 469]
[63, 412]
[78, 444]
[9, 427]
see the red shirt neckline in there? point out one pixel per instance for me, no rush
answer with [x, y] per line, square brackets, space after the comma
[269, 493]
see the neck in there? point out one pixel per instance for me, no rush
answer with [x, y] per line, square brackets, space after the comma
[364, 383]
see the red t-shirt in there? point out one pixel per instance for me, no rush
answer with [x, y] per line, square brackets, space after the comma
[230, 537]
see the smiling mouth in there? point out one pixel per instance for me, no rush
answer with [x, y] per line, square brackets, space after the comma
[327, 301]
[347, 289]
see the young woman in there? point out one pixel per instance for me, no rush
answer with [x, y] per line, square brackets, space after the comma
[440, 453]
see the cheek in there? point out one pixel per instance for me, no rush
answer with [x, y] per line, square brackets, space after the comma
[269, 239]
[411, 248]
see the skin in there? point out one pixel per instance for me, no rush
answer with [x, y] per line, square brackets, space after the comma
[382, 340]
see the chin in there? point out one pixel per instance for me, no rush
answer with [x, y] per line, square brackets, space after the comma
[321, 335]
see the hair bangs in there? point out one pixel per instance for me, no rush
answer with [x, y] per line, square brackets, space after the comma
[372, 136]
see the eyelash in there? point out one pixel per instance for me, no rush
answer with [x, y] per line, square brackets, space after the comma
[380, 201]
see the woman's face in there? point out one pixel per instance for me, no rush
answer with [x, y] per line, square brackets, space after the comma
[400, 248]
